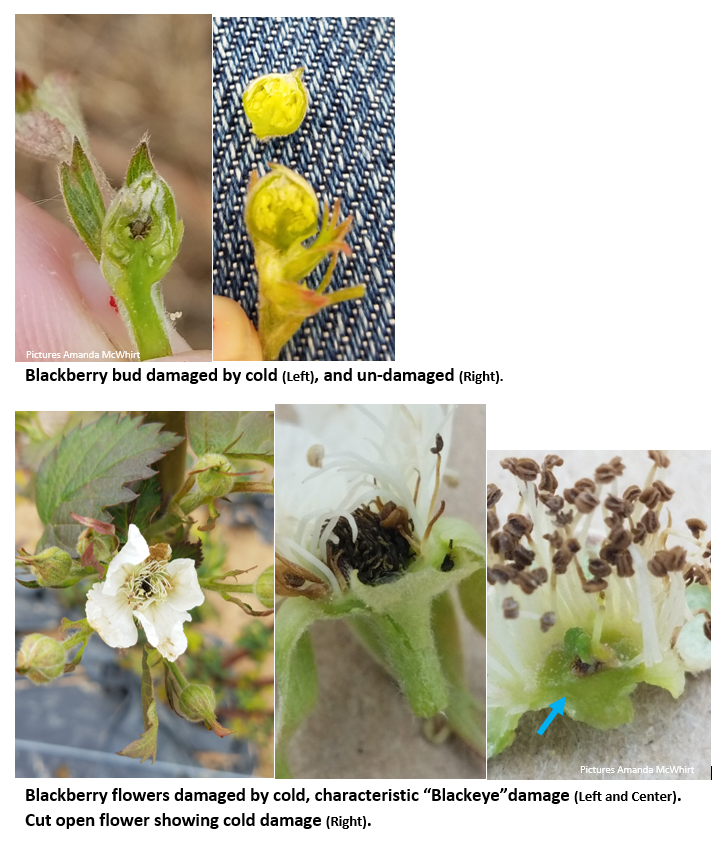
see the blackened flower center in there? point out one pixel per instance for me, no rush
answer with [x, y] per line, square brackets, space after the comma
[380, 553]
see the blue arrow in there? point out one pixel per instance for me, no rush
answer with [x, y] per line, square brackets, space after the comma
[558, 707]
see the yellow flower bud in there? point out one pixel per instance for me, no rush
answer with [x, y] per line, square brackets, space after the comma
[276, 104]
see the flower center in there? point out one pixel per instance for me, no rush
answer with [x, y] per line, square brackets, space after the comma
[381, 551]
[148, 583]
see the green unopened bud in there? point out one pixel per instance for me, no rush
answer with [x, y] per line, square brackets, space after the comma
[40, 658]
[276, 104]
[51, 567]
[140, 238]
[104, 546]
[282, 209]
[196, 703]
[141, 232]
[264, 588]
[213, 478]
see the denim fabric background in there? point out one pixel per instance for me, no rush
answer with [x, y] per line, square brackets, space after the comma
[345, 148]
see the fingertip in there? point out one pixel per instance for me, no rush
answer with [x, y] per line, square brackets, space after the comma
[234, 336]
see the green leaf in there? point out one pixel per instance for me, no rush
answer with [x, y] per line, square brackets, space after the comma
[188, 550]
[139, 511]
[83, 198]
[245, 435]
[145, 746]
[90, 470]
[140, 163]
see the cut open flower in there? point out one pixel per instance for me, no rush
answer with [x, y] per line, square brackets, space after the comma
[591, 590]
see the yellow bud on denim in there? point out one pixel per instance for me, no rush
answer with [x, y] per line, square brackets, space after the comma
[282, 209]
[276, 104]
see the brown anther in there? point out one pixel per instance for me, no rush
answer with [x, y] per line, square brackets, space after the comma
[561, 560]
[554, 503]
[656, 566]
[518, 525]
[675, 560]
[613, 520]
[438, 445]
[696, 527]
[563, 519]
[555, 539]
[585, 484]
[504, 543]
[570, 495]
[595, 585]
[632, 493]
[666, 493]
[524, 581]
[548, 481]
[497, 574]
[650, 521]
[293, 580]
[706, 552]
[395, 517]
[539, 575]
[639, 533]
[493, 495]
[605, 473]
[547, 621]
[510, 608]
[618, 505]
[552, 461]
[523, 556]
[493, 522]
[620, 538]
[509, 464]
[650, 497]
[599, 569]
[625, 564]
[527, 469]
[659, 458]
[573, 545]
[586, 502]
[617, 466]
[706, 629]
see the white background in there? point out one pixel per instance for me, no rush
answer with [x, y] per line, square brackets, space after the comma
[559, 219]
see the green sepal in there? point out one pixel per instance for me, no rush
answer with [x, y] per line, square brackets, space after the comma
[140, 163]
[465, 714]
[296, 678]
[145, 746]
[473, 599]
[83, 198]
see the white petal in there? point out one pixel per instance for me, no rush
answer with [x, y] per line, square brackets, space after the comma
[185, 592]
[116, 578]
[111, 617]
[164, 628]
[134, 553]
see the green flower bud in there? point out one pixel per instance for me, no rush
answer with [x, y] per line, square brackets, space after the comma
[264, 588]
[213, 475]
[104, 546]
[276, 104]
[282, 209]
[141, 232]
[197, 702]
[51, 567]
[40, 658]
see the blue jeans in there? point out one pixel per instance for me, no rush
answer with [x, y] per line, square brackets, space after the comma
[345, 148]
